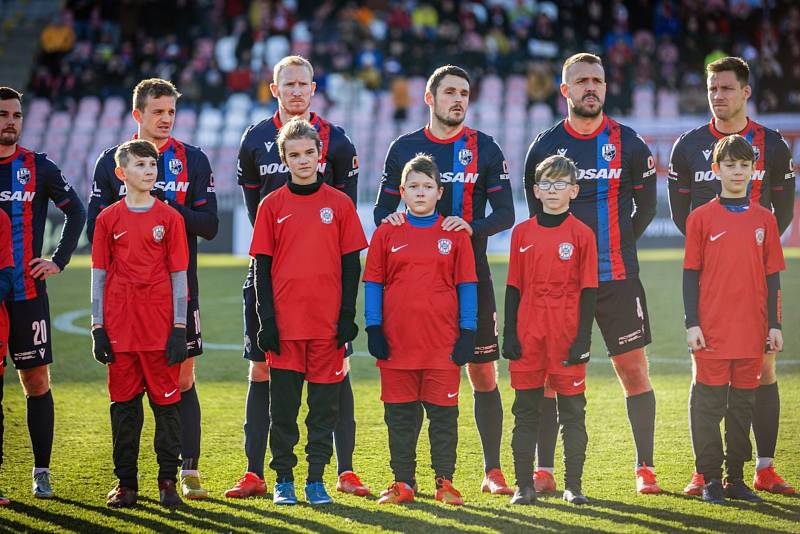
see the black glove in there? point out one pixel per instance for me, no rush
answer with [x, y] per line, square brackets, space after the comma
[578, 352]
[101, 346]
[176, 346]
[376, 342]
[512, 349]
[346, 329]
[268, 339]
[464, 349]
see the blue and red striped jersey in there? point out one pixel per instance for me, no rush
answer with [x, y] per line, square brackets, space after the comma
[28, 180]
[617, 197]
[187, 183]
[474, 173]
[692, 183]
[260, 167]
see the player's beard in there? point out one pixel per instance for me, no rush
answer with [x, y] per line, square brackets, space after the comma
[447, 121]
[9, 138]
[582, 111]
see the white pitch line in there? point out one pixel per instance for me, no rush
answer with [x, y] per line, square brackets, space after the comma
[66, 323]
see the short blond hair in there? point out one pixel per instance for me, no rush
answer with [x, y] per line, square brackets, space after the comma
[291, 61]
[140, 148]
[557, 166]
[297, 128]
[582, 57]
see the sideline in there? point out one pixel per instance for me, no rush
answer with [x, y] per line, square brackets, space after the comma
[66, 323]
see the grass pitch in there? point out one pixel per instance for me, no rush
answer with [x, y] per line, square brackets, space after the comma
[82, 450]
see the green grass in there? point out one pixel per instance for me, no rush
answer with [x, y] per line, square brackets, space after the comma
[82, 450]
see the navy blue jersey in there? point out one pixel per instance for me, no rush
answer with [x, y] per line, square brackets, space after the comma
[473, 172]
[184, 180]
[692, 184]
[617, 197]
[28, 180]
[260, 168]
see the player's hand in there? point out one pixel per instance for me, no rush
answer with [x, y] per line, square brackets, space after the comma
[346, 329]
[775, 340]
[578, 352]
[101, 346]
[176, 346]
[454, 224]
[43, 269]
[395, 219]
[512, 348]
[376, 342]
[464, 349]
[694, 338]
[268, 339]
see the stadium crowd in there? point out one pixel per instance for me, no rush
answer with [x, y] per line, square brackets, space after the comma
[212, 48]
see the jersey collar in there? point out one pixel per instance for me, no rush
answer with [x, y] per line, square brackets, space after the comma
[447, 141]
[575, 133]
[13, 156]
[164, 147]
[313, 118]
[719, 135]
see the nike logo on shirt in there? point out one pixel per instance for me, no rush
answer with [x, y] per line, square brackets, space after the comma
[715, 237]
[171, 393]
[576, 383]
[117, 236]
[451, 395]
[523, 249]
[281, 219]
[339, 372]
[395, 249]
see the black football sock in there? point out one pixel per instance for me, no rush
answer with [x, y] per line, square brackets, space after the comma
[41, 419]
[572, 416]
[127, 419]
[190, 428]
[527, 412]
[323, 412]
[642, 416]
[2, 422]
[256, 426]
[765, 419]
[443, 436]
[707, 405]
[167, 439]
[401, 422]
[489, 419]
[344, 436]
[548, 434]
[738, 418]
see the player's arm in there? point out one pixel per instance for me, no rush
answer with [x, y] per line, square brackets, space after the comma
[201, 217]
[512, 348]
[645, 191]
[247, 177]
[177, 264]
[262, 249]
[498, 191]
[389, 188]
[466, 281]
[579, 351]
[101, 344]
[532, 159]
[103, 193]
[679, 185]
[346, 329]
[64, 197]
[374, 276]
[344, 159]
[781, 182]
[6, 257]
[692, 264]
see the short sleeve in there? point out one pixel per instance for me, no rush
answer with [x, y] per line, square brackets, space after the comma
[58, 189]
[263, 232]
[497, 172]
[643, 164]
[693, 254]
[351, 234]
[246, 173]
[588, 259]
[375, 268]
[6, 246]
[773, 251]
[515, 260]
[177, 246]
[465, 260]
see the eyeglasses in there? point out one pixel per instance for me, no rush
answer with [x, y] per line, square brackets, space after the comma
[546, 185]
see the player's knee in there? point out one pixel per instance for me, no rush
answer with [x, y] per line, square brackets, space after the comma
[259, 372]
[35, 381]
[186, 378]
[482, 376]
[631, 368]
[768, 371]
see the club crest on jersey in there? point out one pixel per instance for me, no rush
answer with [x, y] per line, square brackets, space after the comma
[23, 175]
[609, 151]
[565, 251]
[175, 166]
[326, 215]
[759, 236]
[445, 246]
[465, 156]
[757, 152]
[158, 233]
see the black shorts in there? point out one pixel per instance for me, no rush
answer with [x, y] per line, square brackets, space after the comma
[622, 316]
[29, 336]
[194, 337]
[251, 326]
[486, 345]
